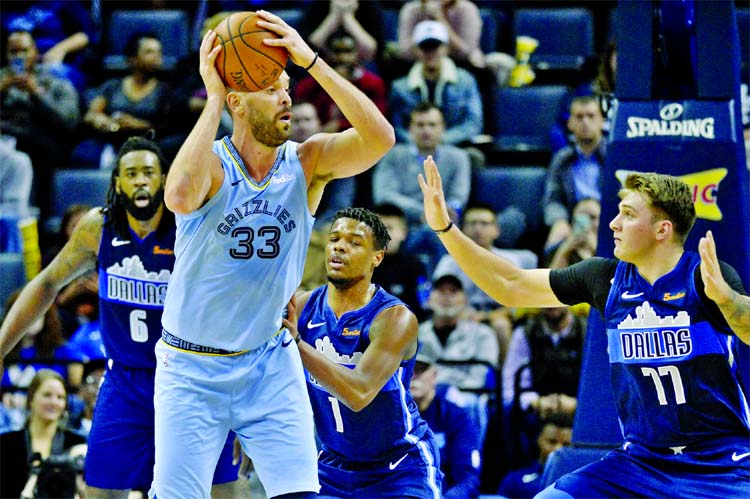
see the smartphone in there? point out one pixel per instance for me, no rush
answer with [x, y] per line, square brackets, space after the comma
[581, 223]
[17, 65]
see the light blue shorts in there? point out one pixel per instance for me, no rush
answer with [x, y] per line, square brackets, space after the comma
[260, 394]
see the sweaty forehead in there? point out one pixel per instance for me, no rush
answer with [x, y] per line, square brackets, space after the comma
[136, 159]
[350, 226]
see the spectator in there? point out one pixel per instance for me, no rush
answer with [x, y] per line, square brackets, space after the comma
[458, 338]
[43, 345]
[602, 87]
[401, 273]
[43, 436]
[394, 177]
[361, 20]
[574, 172]
[455, 420]
[525, 483]
[342, 54]
[581, 243]
[39, 109]
[544, 357]
[16, 177]
[436, 78]
[126, 106]
[64, 32]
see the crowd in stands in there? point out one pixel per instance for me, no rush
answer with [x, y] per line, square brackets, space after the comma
[63, 109]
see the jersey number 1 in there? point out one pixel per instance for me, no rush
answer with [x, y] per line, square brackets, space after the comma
[337, 414]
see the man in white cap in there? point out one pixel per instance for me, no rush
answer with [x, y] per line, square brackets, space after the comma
[436, 78]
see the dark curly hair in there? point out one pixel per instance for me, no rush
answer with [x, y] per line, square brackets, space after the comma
[380, 234]
[115, 211]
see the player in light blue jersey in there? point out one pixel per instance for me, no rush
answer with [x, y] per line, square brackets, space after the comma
[244, 207]
[673, 318]
[358, 344]
[131, 244]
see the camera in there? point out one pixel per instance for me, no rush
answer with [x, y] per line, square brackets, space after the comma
[17, 65]
[56, 475]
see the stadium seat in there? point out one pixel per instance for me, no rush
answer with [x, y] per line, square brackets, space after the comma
[503, 186]
[293, 17]
[13, 274]
[490, 30]
[390, 25]
[566, 36]
[171, 26]
[523, 117]
[743, 26]
[567, 459]
[79, 186]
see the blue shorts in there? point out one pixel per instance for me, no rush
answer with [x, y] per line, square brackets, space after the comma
[121, 442]
[259, 394]
[636, 471]
[412, 474]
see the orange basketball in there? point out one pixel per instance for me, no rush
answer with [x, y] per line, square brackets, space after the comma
[246, 63]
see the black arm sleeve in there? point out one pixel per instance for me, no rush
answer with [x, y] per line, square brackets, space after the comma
[734, 281]
[585, 282]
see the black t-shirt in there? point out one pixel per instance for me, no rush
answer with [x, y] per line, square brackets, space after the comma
[589, 282]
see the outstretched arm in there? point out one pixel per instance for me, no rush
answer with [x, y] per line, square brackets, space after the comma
[77, 256]
[393, 337]
[734, 307]
[496, 276]
[343, 154]
[196, 172]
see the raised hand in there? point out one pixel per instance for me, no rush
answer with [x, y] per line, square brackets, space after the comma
[211, 79]
[716, 287]
[435, 207]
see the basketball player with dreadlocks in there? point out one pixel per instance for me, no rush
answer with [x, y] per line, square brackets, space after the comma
[131, 244]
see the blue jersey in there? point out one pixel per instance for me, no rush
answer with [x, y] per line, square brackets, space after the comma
[391, 424]
[133, 276]
[673, 372]
[240, 256]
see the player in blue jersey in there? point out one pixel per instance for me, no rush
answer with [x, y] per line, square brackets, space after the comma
[358, 344]
[244, 207]
[673, 318]
[131, 244]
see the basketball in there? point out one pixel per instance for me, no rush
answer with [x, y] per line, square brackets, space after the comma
[246, 64]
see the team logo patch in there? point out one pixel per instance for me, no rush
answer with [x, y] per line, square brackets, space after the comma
[350, 332]
[158, 250]
[669, 296]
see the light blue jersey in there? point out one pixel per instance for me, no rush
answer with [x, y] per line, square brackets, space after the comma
[259, 229]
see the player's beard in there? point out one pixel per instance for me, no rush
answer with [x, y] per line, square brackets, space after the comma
[147, 212]
[266, 131]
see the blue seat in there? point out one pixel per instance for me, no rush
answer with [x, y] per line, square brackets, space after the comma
[504, 186]
[567, 459]
[490, 30]
[390, 25]
[13, 274]
[743, 26]
[293, 17]
[523, 117]
[566, 36]
[171, 26]
[79, 186]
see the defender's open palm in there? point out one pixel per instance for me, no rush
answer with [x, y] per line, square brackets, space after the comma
[435, 208]
[715, 285]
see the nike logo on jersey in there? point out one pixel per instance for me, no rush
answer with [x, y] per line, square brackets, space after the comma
[119, 242]
[310, 325]
[628, 296]
[286, 343]
[392, 466]
[238, 182]
[736, 457]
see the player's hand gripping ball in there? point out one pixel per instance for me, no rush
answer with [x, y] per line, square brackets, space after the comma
[246, 63]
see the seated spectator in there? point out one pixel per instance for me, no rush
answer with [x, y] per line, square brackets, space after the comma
[455, 420]
[43, 346]
[361, 20]
[581, 243]
[39, 110]
[602, 87]
[525, 483]
[401, 273]
[575, 171]
[342, 55]
[395, 176]
[43, 436]
[458, 338]
[435, 78]
[126, 106]
[64, 32]
[544, 359]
